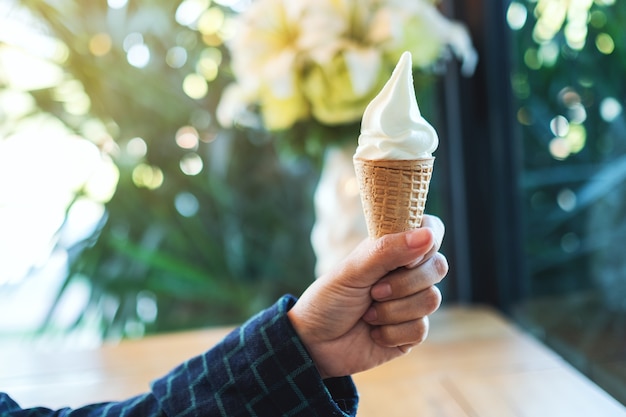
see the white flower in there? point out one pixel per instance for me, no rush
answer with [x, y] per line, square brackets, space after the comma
[323, 60]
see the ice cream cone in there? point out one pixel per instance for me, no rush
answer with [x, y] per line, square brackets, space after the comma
[393, 193]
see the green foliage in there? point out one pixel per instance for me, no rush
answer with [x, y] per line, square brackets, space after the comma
[571, 97]
[243, 238]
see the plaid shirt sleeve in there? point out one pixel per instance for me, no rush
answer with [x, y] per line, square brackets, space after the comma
[261, 369]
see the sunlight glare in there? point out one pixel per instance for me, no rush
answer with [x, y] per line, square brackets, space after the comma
[47, 170]
[23, 71]
[117, 4]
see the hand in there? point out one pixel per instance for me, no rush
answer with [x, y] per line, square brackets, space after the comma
[373, 307]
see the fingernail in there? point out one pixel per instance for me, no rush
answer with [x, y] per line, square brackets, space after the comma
[417, 238]
[382, 290]
[370, 314]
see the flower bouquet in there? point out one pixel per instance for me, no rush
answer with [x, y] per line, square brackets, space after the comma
[309, 68]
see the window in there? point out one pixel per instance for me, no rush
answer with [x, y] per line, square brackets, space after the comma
[544, 139]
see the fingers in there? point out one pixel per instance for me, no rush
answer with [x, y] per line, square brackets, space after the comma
[403, 282]
[373, 259]
[403, 335]
[403, 301]
[405, 309]
[436, 225]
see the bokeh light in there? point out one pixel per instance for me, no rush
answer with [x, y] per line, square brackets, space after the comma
[577, 113]
[186, 204]
[132, 39]
[566, 199]
[137, 148]
[195, 86]
[570, 242]
[138, 55]
[211, 21]
[191, 164]
[189, 11]
[187, 137]
[524, 116]
[147, 176]
[570, 138]
[208, 68]
[551, 15]
[100, 44]
[147, 307]
[610, 109]
[516, 15]
[176, 57]
[576, 137]
[559, 148]
[548, 53]
[605, 43]
[532, 59]
[597, 19]
[569, 97]
[559, 126]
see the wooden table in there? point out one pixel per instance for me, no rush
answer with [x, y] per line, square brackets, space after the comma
[474, 364]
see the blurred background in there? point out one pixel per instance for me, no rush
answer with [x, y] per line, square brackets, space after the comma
[127, 207]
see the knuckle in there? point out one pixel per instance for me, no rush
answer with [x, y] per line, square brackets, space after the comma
[441, 264]
[380, 246]
[385, 336]
[432, 299]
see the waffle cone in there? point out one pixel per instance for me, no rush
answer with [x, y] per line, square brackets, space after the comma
[393, 193]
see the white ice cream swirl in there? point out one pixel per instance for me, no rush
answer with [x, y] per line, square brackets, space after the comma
[392, 126]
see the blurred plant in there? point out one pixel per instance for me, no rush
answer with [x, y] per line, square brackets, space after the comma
[570, 90]
[206, 225]
[310, 68]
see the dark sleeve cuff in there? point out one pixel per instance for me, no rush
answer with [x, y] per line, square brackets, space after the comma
[260, 369]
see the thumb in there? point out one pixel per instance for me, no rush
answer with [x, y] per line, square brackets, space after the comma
[375, 258]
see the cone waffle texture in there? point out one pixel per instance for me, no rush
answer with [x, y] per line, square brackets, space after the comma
[393, 193]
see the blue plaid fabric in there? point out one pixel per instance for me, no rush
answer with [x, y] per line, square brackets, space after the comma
[261, 369]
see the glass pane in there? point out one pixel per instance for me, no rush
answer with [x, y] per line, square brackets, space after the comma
[569, 65]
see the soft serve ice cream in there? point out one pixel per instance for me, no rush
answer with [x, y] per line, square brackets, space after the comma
[394, 161]
[392, 126]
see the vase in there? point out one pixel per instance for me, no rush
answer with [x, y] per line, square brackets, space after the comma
[339, 221]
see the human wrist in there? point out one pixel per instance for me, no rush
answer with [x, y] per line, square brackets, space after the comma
[299, 327]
